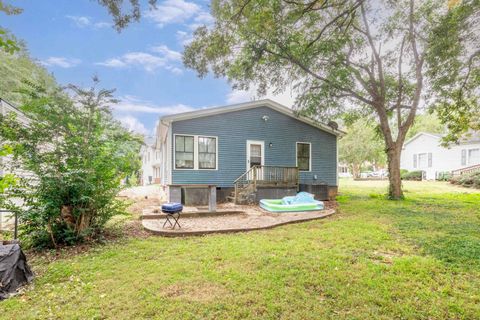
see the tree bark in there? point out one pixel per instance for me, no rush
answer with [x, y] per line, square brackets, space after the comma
[395, 182]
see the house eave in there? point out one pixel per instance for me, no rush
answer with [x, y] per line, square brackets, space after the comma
[250, 105]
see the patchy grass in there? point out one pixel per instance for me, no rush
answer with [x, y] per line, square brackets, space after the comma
[412, 259]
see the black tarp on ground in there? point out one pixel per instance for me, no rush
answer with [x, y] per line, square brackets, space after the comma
[14, 271]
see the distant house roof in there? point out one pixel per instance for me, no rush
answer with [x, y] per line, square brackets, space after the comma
[468, 138]
[433, 135]
[7, 107]
[149, 141]
[249, 105]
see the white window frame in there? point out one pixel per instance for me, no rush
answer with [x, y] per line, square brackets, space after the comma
[262, 146]
[175, 153]
[310, 156]
[197, 163]
[195, 152]
[426, 160]
[469, 162]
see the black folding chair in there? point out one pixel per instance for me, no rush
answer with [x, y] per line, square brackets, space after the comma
[175, 216]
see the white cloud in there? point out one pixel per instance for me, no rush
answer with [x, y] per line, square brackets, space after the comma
[164, 58]
[86, 22]
[80, 21]
[168, 53]
[61, 62]
[113, 63]
[146, 60]
[139, 59]
[173, 11]
[204, 17]
[184, 37]
[133, 104]
[133, 124]
[102, 24]
[239, 96]
[175, 70]
[286, 98]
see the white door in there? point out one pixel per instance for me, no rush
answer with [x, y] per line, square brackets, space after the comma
[255, 153]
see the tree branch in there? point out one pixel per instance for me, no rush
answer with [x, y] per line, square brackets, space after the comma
[375, 53]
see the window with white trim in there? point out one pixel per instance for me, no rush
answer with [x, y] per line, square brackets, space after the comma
[473, 156]
[303, 156]
[207, 153]
[195, 152]
[422, 160]
[184, 152]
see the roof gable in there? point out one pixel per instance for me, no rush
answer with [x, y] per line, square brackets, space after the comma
[249, 105]
[432, 135]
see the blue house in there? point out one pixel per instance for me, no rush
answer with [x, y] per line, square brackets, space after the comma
[247, 151]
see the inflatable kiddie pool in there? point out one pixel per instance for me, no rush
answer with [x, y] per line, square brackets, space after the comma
[303, 201]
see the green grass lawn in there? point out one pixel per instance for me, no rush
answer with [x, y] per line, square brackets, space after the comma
[375, 259]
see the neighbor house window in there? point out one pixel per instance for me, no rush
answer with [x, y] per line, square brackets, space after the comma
[422, 160]
[415, 160]
[464, 157]
[207, 153]
[473, 156]
[303, 156]
[184, 152]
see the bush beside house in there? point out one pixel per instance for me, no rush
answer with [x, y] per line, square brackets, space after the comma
[412, 175]
[471, 180]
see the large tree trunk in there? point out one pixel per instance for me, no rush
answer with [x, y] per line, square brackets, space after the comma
[395, 182]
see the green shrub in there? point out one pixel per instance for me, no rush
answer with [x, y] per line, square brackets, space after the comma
[413, 175]
[78, 155]
[444, 176]
[471, 180]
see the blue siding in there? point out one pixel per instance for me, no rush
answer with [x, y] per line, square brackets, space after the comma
[235, 128]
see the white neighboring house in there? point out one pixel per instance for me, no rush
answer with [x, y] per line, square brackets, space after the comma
[344, 171]
[424, 152]
[5, 108]
[150, 156]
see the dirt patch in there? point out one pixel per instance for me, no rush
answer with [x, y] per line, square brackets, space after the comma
[138, 205]
[385, 257]
[200, 292]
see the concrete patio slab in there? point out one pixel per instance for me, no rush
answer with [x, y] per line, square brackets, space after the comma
[248, 221]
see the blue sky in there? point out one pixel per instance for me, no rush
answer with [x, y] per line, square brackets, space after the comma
[75, 40]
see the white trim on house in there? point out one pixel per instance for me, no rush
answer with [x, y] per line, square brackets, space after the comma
[169, 154]
[195, 152]
[309, 159]
[336, 167]
[174, 142]
[262, 148]
[250, 105]
[216, 152]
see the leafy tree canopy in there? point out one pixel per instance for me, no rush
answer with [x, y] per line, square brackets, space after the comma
[453, 57]
[361, 144]
[8, 43]
[18, 70]
[427, 122]
[366, 57]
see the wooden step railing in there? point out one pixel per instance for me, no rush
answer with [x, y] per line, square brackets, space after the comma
[466, 170]
[267, 176]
